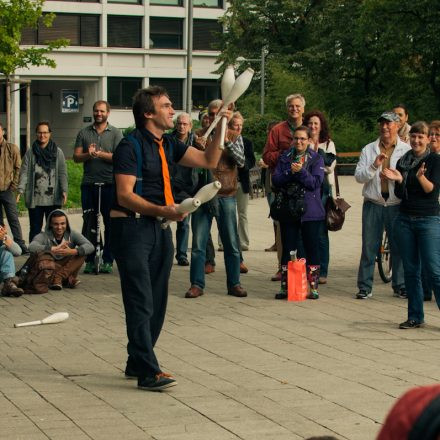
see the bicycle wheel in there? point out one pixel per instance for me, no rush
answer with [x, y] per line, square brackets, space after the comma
[384, 259]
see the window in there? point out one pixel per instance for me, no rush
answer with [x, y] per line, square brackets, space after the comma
[208, 3]
[132, 2]
[167, 2]
[174, 88]
[120, 91]
[124, 31]
[205, 34]
[81, 30]
[204, 91]
[166, 33]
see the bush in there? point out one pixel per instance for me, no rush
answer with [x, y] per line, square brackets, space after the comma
[255, 128]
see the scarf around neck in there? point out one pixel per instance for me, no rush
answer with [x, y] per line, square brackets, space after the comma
[45, 157]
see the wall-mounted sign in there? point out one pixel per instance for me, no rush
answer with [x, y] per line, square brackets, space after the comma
[87, 119]
[69, 101]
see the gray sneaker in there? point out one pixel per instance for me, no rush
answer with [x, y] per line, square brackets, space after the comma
[363, 294]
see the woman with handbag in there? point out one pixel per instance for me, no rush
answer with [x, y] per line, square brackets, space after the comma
[417, 183]
[322, 144]
[297, 206]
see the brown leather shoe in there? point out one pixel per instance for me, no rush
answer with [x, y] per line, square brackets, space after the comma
[209, 268]
[243, 268]
[277, 276]
[322, 280]
[10, 288]
[273, 248]
[194, 292]
[237, 291]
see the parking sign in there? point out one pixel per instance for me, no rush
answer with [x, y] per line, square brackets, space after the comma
[69, 101]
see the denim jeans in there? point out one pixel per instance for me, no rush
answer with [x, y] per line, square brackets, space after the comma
[182, 235]
[419, 245]
[374, 219]
[7, 265]
[227, 224]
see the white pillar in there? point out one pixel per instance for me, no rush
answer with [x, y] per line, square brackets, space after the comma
[15, 114]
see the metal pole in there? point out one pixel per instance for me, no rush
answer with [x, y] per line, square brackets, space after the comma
[28, 115]
[189, 57]
[8, 109]
[262, 81]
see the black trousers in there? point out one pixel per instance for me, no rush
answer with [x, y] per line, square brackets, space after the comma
[7, 200]
[291, 234]
[144, 255]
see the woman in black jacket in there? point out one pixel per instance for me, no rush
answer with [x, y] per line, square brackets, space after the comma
[417, 226]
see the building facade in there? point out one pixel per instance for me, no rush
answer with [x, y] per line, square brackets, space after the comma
[115, 48]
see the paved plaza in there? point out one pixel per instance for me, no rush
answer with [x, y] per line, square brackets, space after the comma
[247, 368]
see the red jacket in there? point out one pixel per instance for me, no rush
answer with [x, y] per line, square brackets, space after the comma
[280, 138]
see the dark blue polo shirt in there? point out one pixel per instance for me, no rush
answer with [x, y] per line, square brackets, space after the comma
[125, 162]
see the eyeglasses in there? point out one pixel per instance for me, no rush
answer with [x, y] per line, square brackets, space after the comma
[42, 132]
[300, 139]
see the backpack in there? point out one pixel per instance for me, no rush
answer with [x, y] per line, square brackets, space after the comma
[36, 275]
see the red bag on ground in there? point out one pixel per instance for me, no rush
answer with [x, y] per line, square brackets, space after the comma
[296, 280]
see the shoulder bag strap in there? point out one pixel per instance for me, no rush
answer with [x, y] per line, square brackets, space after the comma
[138, 151]
[336, 183]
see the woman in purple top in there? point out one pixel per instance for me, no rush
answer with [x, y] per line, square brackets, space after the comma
[299, 174]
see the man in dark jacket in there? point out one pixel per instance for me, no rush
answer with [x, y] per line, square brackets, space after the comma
[185, 181]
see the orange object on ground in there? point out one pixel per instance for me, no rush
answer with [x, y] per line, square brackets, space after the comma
[296, 280]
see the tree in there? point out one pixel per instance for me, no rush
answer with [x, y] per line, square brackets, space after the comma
[15, 16]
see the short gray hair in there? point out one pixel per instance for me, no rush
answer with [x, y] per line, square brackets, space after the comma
[296, 96]
[184, 114]
[216, 103]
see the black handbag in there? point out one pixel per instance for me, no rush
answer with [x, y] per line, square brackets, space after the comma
[335, 209]
[289, 204]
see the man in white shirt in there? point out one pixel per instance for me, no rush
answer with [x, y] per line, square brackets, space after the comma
[380, 205]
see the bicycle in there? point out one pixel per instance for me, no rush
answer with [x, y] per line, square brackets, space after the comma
[383, 259]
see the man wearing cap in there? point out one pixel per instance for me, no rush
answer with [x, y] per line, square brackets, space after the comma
[380, 205]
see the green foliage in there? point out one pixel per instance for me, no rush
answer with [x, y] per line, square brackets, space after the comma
[16, 15]
[255, 128]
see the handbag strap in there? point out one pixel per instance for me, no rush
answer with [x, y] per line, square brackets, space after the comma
[336, 183]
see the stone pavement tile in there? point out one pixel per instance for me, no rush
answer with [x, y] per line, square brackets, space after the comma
[250, 429]
[199, 431]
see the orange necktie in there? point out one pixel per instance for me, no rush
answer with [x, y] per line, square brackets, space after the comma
[168, 193]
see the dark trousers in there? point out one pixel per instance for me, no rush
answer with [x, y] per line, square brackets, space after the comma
[7, 200]
[36, 216]
[89, 200]
[144, 255]
[292, 232]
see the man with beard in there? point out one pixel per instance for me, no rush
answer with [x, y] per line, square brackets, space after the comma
[94, 147]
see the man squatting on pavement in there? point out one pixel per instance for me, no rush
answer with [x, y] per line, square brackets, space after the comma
[142, 249]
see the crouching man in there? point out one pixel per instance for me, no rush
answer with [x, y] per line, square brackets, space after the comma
[8, 250]
[67, 247]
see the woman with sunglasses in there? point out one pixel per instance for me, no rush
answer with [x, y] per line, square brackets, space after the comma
[298, 177]
[417, 183]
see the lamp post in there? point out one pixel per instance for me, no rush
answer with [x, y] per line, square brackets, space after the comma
[262, 70]
[189, 57]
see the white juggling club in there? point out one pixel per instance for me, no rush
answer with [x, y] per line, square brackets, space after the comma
[204, 194]
[55, 318]
[207, 192]
[240, 86]
[228, 80]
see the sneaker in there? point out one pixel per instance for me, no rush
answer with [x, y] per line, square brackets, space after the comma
[403, 294]
[157, 383]
[71, 284]
[281, 295]
[105, 268]
[410, 323]
[24, 250]
[183, 262]
[56, 285]
[90, 267]
[363, 294]
[313, 294]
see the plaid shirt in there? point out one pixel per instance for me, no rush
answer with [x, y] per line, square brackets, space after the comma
[236, 151]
